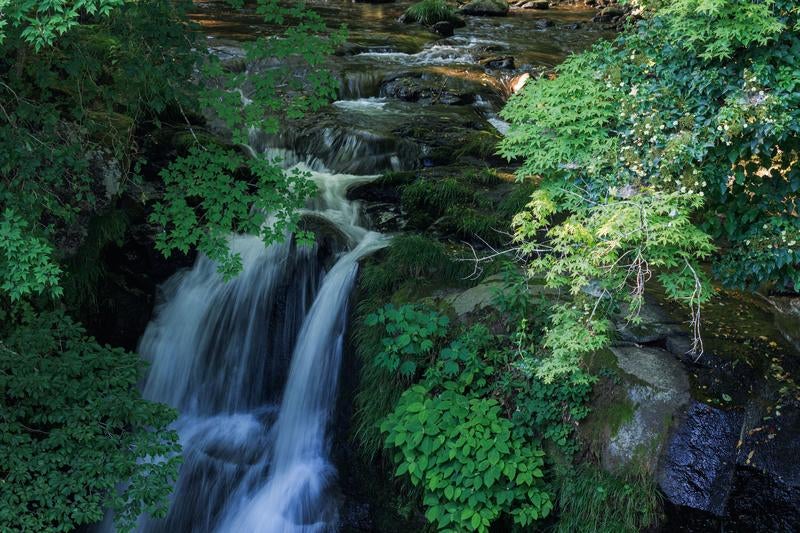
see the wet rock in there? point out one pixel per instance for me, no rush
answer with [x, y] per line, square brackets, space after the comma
[786, 310]
[543, 24]
[572, 26]
[445, 28]
[759, 505]
[698, 466]
[609, 14]
[427, 89]
[657, 387]
[499, 63]
[491, 8]
[656, 324]
[767, 480]
[536, 4]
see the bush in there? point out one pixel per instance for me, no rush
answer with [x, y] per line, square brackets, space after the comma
[76, 436]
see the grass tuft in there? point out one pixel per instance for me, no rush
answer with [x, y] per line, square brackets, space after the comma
[591, 499]
[429, 12]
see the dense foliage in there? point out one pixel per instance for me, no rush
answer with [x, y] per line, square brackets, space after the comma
[74, 427]
[90, 92]
[470, 429]
[679, 137]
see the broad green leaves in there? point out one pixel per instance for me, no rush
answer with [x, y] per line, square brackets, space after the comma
[411, 335]
[43, 21]
[214, 192]
[75, 435]
[468, 460]
[26, 264]
[469, 433]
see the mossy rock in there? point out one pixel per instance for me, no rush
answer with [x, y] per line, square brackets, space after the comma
[491, 8]
[640, 393]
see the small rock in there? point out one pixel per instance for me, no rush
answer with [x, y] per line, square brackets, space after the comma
[608, 14]
[542, 24]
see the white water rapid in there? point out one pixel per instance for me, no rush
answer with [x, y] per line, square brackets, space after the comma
[252, 365]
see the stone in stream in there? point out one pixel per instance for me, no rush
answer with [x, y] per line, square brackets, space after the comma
[536, 4]
[608, 14]
[428, 89]
[491, 8]
[542, 24]
[499, 63]
[445, 28]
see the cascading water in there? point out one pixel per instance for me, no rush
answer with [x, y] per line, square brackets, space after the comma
[252, 364]
[256, 460]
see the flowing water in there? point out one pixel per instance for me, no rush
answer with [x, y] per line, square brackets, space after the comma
[252, 364]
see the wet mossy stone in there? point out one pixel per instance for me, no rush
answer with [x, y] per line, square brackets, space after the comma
[654, 388]
[488, 8]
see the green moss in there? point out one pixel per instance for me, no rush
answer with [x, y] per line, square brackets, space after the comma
[426, 198]
[85, 269]
[469, 223]
[611, 406]
[480, 144]
[393, 179]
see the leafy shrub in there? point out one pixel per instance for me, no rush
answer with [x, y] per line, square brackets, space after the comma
[226, 204]
[26, 263]
[411, 335]
[429, 12]
[76, 436]
[469, 461]
[470, 433]
[698, 99]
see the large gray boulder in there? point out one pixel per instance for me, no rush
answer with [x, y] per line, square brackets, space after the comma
[656, 388]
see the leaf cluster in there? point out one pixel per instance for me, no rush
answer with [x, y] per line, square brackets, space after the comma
[75, 435]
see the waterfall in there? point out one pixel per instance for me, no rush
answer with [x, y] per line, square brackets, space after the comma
[252, 365]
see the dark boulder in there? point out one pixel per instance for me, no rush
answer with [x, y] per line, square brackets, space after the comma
[445, 28]
[428, 89]
[698, 467]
